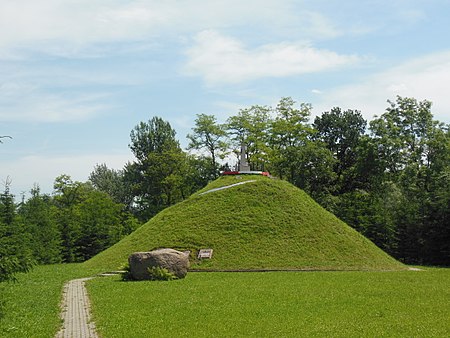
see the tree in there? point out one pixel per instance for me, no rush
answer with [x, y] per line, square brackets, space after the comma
[434, 205]
[67, 195]
[89, 220]
[113, 183]
[436, 242]
[157, 174]
[100, 224]
[38, 214]
[341, 132]
[15, 255]
[369, 169]
[414, 154]
[402, 132]
[154, 136]
[250, 127]
[373, 213]
[289, 132]
[198, 174]
[208, 134]
[314, 173]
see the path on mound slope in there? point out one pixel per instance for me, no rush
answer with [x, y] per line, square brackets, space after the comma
[226, 187]
[76, 311]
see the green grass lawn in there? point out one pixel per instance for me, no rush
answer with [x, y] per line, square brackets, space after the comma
[322, 304]
[266, 224]
[31, 306]
[276, 304]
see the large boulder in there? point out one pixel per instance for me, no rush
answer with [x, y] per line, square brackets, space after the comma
[174, 261]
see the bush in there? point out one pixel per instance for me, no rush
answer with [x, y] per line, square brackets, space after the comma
[12, 263]
[126, 274]
[159, 273]
[155, 272]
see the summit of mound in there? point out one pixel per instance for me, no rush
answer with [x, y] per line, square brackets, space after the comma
[261, 224]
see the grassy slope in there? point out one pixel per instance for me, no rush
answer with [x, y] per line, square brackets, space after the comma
[267, 224]
[276, 304]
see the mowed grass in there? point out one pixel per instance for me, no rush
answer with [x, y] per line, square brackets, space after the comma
[31, 306]
[266, 224]
[276, 304]
[331, 304]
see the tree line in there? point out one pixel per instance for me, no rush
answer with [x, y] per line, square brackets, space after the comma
[388, 178]
[73, 224]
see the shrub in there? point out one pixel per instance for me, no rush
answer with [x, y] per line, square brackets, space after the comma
[159, 273]
[155, 272]
[126, 274]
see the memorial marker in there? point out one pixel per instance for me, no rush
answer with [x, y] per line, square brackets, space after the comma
[205, 253]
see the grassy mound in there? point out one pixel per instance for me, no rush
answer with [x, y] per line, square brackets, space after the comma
[264, 224]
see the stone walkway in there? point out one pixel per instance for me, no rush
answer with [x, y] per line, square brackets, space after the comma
[76, 313]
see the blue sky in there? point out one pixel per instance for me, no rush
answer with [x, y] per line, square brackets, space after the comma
[77, 76]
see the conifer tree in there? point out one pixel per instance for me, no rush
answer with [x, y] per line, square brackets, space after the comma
[15, 255]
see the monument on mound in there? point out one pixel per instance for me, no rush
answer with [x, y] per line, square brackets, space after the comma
[243, 167]
[243, 163]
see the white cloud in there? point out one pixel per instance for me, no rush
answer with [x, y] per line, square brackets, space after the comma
[55, 93]
[221, 59]
[25, 103]
[43, 24]
[423, 78]
[68, 27]
[319, 26]
[26, 171]
[65, 27]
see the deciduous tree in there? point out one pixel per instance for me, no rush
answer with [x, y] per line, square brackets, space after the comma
[157, 174]
[250, 127]
[210, 136]
[289, 132]
[113, 183]
[414, 153]
[341, 132]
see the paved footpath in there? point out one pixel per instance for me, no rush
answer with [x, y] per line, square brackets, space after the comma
[76, 313]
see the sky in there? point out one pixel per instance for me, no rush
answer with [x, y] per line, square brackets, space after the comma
[76, 76]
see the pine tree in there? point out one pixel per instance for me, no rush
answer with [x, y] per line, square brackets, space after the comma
[15, 255]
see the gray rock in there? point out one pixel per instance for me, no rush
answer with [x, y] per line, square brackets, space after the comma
[174, 261]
